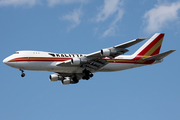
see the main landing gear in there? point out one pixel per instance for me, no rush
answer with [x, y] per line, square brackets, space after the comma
[23, 74]
[87, 74]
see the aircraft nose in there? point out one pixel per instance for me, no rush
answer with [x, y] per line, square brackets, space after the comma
[5, 61]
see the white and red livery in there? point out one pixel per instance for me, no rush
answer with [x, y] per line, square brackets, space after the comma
[70, 68]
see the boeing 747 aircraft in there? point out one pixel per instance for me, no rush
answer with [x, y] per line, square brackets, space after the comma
[70, 68]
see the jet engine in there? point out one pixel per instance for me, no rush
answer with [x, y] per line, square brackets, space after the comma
[105, 52]
[108, 52]
[66, 81]
[112, 52]
[55, 77]
[69, 80]
[77, 61]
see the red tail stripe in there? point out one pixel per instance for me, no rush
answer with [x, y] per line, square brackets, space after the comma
[145, 50]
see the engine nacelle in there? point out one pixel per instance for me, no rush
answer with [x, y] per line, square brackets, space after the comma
[112, 52]
[55, 77]
[66, 81]
[69, 80]
[77, 61]
[105, 52]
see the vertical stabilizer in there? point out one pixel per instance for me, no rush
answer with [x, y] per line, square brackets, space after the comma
[151, 47]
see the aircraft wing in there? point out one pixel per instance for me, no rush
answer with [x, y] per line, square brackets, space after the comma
[91, 64]
[116, 50]
[95, 61]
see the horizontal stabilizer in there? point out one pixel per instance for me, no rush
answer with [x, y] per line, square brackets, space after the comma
[159, 56]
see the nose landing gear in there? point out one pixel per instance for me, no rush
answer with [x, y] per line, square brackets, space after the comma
[23, 74]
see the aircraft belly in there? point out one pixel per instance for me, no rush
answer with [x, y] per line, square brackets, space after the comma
[46, 66]
[32, 65]
[51, 66]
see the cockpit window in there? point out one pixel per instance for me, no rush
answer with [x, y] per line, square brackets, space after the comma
[16, 53]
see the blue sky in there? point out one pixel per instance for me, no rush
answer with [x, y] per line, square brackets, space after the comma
[86, 26]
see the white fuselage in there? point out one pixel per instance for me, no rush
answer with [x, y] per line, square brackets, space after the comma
[47, 61]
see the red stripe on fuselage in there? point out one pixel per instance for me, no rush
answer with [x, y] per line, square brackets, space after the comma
[136, 60]
[44, 59]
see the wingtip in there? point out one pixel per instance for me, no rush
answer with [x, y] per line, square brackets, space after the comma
[141, 39]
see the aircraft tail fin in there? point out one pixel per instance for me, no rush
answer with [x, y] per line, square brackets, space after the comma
[151, 47]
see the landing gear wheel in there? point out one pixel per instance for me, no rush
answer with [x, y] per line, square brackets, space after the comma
[75, 80]
[22, 75]
[85, 77]
[87, 74]
[91, 75]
